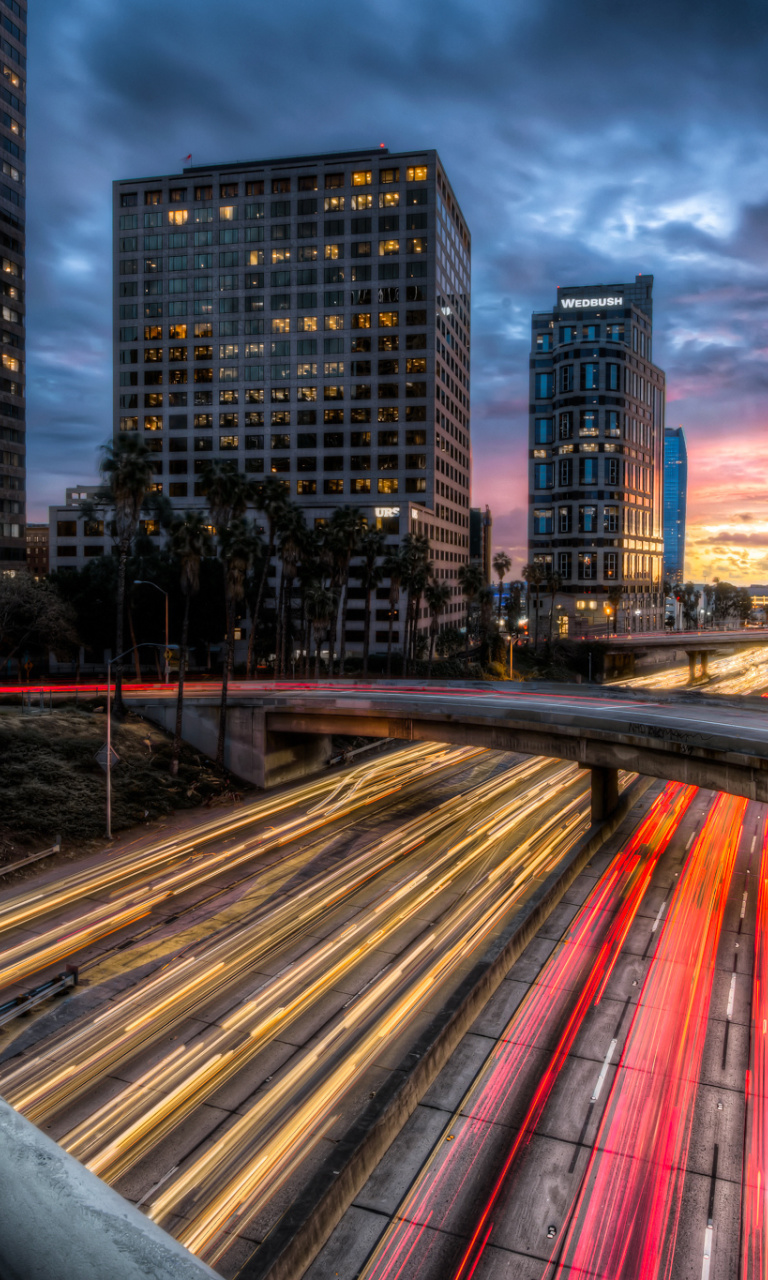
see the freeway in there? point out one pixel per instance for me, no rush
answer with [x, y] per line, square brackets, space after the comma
[128, 887]
[361, 949]
[592, 1123]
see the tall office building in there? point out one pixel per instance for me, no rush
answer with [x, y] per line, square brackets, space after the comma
[13, 99]
[675, 498]
[308, 318]
[597, 405]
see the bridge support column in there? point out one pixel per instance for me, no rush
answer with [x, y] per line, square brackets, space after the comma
[692, 657]
[605, 792]
[704, 662]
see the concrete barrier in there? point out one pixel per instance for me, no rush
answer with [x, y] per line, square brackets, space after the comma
[58, 1221]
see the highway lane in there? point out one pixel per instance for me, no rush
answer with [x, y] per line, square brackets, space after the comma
[241, 1171]
[66, 1066]
[169, 868]
[754, 1211]
[116, 1137]
[745, 672]
[484, 1179]
[530, 1055]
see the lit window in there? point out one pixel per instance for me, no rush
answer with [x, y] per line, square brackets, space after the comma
[177, 217]
[417, 245]
[387, 484]
[361, 320]
[389, 199]
[416, 173]
[362, 202]
[281, 255]
[227, 213]
[388, 246]
[281, 325]
[333, 251]
[388, 319]
[333, 322]
[307, 324]
[255, 258]
[362, 178]
[333, 204]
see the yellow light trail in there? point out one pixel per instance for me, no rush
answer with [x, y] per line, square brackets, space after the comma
[67, 1064]
[240, 1171]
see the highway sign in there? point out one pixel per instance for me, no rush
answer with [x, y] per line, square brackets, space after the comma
[101, 757]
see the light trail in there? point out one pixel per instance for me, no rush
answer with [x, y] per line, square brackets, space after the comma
[68, 1063]
[326, 802]
[624, 1222]
[571, 982]
[744, 672]
[754, 1201]
[114, 1138]
[241, 1171]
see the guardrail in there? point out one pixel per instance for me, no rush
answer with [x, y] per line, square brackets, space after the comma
[33, 857]
[54, 987]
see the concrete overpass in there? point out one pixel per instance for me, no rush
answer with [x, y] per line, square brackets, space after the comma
[621, 650]
[280, 732]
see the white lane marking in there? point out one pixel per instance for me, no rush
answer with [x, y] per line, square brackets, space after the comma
[707, 1252]
[752, 846]
[742, 913]
[603, 1071]
[690, 840]
[731, 994]
[655, 924]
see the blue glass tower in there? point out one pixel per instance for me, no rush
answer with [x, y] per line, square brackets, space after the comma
[675, 493]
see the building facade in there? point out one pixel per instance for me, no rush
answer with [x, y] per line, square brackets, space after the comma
[481, 539]
[37, 538]
[13, 98]
[306, 318]
[675, 498]
[596, 456]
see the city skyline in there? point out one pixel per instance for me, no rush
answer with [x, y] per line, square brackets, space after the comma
[664, 180]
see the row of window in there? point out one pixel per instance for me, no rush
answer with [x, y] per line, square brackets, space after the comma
[255, 258]
[586, 517]
[613, 379]
[581, 333]
[616, 471]
[279, 185]
[584, 566]
[282, 209]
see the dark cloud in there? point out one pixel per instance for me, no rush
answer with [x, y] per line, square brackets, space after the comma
[585, 142]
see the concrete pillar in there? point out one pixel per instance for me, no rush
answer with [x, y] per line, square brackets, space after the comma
[704, 662]
[605, 792]
[692, 656]
[61, 1222]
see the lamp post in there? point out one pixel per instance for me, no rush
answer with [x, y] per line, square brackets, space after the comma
[608, 614]
[144, 582]
[144, 645]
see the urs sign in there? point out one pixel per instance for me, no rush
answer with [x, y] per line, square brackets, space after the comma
[569, 303]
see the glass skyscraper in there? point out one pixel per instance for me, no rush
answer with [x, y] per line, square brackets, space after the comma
[675, 494]
[13, 93]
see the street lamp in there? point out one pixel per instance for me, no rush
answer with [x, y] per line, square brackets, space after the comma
[144, 582]
[146, 644]
[608, 614]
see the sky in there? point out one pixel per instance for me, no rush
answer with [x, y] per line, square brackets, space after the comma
[585, 142]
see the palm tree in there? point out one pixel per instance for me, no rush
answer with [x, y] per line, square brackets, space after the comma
[471, 581]
[272, 500]
[236, 541]
[554, 584]
[501, 565]
[291, 536]
[228, 494]
[190, 541]
[535, 575]
[417, 569]
[393, 569]
[437, 595]
[371, 573]
[615, 595]
[127, 470]
[343, 533]
[320, 604]
[310, 572]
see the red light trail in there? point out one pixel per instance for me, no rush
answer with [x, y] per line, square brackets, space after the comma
[754, 1220]
[581, 963]
[624, 1222]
